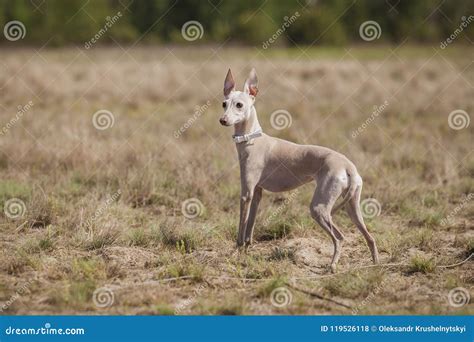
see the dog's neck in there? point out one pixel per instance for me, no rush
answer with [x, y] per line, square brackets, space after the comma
[248, 126]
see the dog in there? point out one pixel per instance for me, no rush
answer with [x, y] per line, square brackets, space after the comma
[276, 165]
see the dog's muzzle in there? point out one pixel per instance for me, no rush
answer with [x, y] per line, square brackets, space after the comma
[223, 122]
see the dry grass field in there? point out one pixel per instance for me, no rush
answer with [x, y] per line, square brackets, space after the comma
[94, 221]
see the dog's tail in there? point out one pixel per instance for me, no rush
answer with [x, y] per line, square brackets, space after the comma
[354, 183]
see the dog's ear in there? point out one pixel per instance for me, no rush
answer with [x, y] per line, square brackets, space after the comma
[229, 83]
[251, 85]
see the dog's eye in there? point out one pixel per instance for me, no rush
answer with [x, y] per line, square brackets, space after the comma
[224, 105]
[239, 105]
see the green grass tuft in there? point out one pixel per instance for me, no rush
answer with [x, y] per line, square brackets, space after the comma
[421, 264]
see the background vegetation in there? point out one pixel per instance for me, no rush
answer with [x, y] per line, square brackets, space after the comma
[245, 21]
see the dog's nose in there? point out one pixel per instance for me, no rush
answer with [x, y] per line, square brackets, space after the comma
[223, 121]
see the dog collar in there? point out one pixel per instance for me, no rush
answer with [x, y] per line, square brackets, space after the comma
[246, 137]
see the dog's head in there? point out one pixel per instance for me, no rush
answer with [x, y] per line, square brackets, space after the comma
[237, 104]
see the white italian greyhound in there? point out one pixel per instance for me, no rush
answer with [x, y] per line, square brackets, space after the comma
[278, 165]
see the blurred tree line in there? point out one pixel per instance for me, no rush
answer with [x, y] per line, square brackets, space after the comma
[322, 22]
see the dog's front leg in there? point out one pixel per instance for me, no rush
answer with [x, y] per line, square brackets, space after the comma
[248, 237]
[245, 201]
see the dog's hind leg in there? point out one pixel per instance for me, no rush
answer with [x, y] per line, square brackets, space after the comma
[328, 190]
[353, 209]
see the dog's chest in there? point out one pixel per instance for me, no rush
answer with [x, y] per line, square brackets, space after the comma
[249, 157]
[246, 150]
